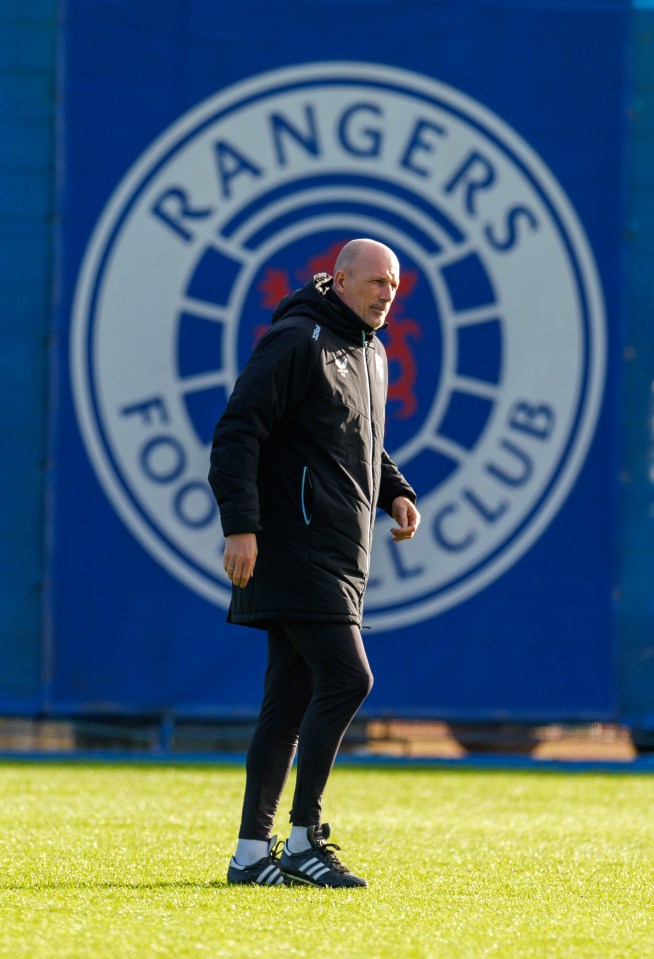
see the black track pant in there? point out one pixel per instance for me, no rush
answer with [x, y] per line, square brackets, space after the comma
[317, 677]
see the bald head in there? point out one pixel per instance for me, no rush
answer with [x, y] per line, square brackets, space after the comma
[366, 278]
[351, 252]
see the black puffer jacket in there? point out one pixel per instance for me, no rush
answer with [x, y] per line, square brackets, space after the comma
[298, 459]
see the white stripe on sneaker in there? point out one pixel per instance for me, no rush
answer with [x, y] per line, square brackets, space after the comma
[308, 864]
[266, 873]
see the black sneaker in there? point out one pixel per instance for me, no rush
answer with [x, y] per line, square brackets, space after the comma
[265, 872]
[317, 866]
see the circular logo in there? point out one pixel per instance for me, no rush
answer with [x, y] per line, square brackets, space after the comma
[495, 343]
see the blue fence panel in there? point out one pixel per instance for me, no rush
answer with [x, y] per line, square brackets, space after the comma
[635, 593]
[213, 162]
[28, 40]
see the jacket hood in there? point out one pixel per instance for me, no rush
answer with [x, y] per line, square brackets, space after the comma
[318, 301]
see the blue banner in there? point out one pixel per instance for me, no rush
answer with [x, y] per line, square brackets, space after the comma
[212, 164]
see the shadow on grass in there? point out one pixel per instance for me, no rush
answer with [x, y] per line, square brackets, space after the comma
[212, 884]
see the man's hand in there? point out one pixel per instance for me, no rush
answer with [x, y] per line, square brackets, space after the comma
[406, 516]
[239, 557]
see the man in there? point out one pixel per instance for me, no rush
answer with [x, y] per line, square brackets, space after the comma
[298, 469]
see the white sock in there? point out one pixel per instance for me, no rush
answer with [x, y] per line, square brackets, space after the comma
[249, 851]
[297, 841]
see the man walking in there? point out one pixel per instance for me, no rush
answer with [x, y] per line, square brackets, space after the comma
[298, 469]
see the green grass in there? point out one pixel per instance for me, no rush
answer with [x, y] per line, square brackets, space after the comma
[129, 861]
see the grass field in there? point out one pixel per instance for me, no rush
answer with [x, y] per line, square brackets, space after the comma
[129, 861]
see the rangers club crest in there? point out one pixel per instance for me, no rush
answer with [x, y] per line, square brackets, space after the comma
[495, 342]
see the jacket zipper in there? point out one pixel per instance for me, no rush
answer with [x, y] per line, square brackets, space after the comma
[372, 444]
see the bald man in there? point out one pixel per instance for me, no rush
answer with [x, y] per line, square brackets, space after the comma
[298, 469]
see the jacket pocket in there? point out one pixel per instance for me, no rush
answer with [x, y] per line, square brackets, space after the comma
[306, 496]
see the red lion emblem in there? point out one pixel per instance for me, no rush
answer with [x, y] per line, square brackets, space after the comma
[403, 369]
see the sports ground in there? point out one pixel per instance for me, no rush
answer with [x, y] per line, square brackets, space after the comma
[128, 861]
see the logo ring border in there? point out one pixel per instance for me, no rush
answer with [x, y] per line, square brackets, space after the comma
[345, 75]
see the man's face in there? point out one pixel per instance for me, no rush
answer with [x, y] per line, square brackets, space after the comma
[369, 287]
